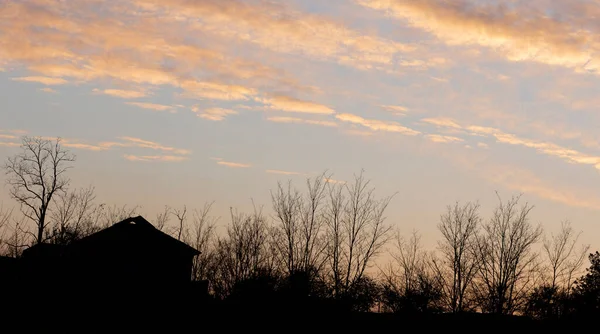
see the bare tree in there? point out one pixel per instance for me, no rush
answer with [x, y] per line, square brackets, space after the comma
[109, 215]
[162, 218]
[201, 236]
[458, 263]
[181, 215]
[356, 231]
[243, 253]
[74, 217]
[5, 218]
[507, 262]
[17, 239]
[409, 284]
[563, 257]
[299, 217]
[411, 261]
[35, 175]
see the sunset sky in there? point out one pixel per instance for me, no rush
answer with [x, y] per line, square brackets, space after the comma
[186, 101]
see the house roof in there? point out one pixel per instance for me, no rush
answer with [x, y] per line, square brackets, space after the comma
[137, 230]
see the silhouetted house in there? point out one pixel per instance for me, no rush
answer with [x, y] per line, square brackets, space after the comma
[8, 271]
[131, 255]
[131, 251]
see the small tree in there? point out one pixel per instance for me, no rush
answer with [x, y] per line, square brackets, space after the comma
[356, 231]
[74, 217]
[244, 253]
[587, 288]
[507, 263]
[458, 263]
[5, 217]
[201, 236]
[563, 257]
[299, 218]
[35, 176]
[409, 285]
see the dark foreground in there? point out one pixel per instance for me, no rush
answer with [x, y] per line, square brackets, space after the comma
[149, 310]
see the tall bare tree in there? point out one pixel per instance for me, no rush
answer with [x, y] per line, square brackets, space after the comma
[410, 284]
[457, 265]
[36, 175]
[162, 219]
[300, 221]
[107, 215]
[507, 262]
[200, 235]
[243, 253]
[181, 215]
[17, 238]
[5, 218]
[356, 231]
[564, 258]
[74, 216]
[411, 262]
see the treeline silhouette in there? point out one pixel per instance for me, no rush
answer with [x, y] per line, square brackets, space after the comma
[326, 249]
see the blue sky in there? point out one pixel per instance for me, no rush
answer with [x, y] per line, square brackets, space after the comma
[181, 102]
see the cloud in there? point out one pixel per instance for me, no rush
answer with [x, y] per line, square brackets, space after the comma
[442, 122]
[213, 114]
[162, 158]
[48, 90]
[61, 43]
[3, 136]
[551, 149]
[519, 31]
[9, 144]
[330, 180]
[290, 104]
[233, 164]
[443, 139]
[137, 142]
[124, 94]
[216, 91]
[302, 121]
[528, 183]
[396, 110]
[83, 146]
[483, 145]
[151, 106]
[377, 125]
[282, 172]
[43, 80]
[279, 28]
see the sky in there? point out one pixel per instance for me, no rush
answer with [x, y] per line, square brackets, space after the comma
[191, 101]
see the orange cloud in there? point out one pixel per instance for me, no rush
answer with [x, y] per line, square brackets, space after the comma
[216, 91]
[396, 110]
[132, 141]
[146, 158]
[43, 80]
[213, 114]
[547, 148]
[3, 136]
[302, 121]
[41, 39]
[124, 94]
[444, 139]
[282, 172]
[48, 90]
[290, 104]
[518, 32]
[278, 28]
[151, 106]
[377, 125]
[233, 164]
